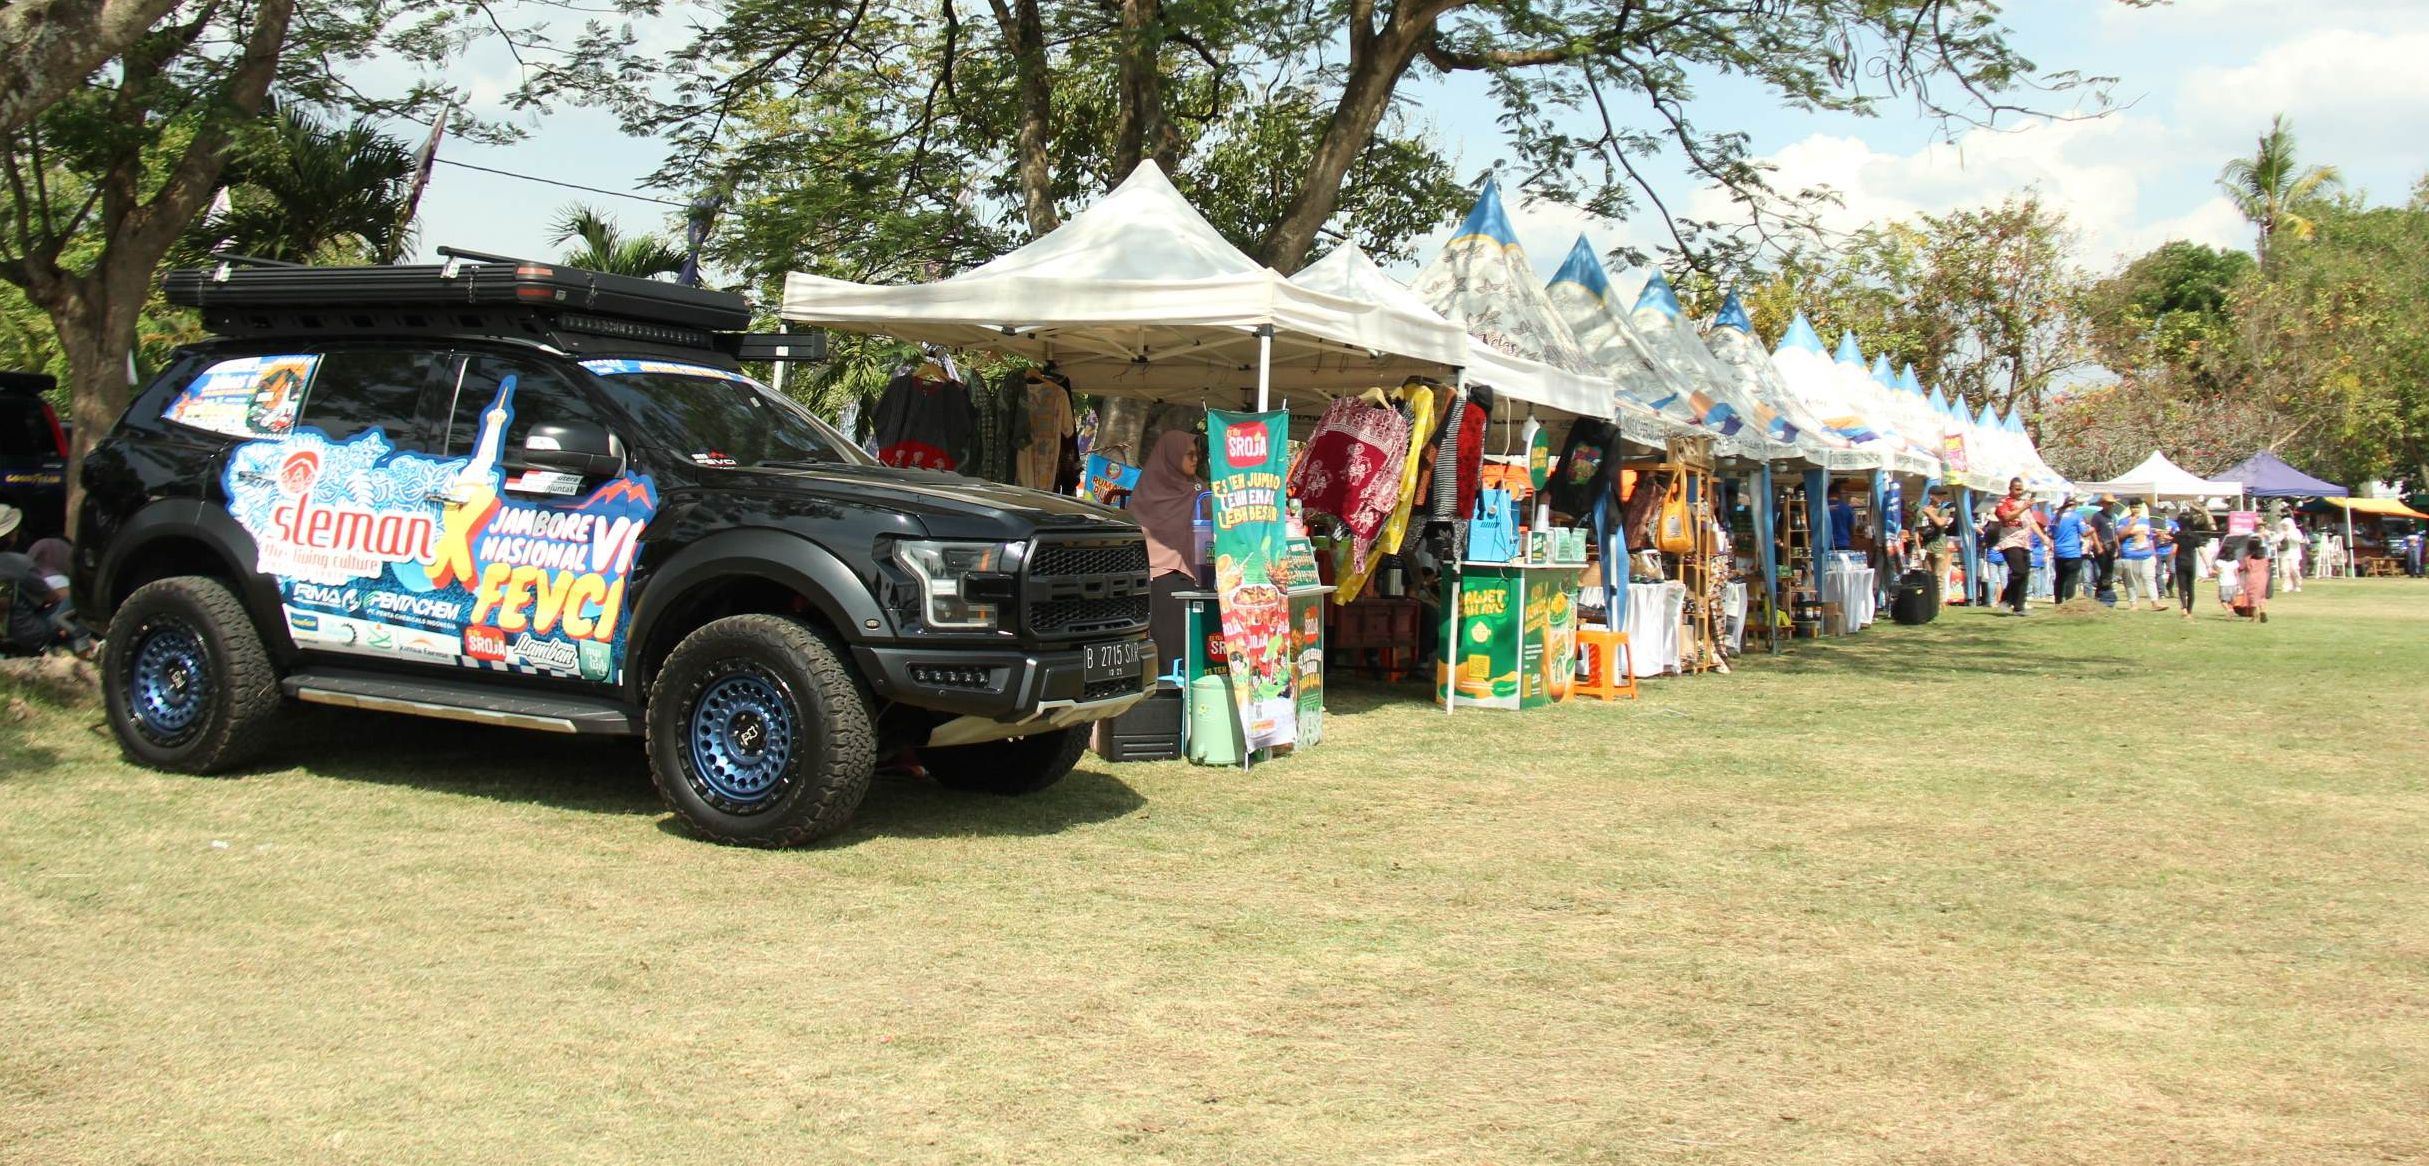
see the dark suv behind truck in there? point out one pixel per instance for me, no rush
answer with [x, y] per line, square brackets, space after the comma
[525, 495]
[33, 454]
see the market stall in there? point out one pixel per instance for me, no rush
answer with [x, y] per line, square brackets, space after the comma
[1522, 357]
[1138, 297]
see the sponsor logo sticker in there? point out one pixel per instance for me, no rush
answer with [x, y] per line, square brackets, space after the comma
[485, 643]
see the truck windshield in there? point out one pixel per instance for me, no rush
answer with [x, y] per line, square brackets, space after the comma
[718, 418]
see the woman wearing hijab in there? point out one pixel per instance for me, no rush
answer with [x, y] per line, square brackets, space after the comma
[1165, 503]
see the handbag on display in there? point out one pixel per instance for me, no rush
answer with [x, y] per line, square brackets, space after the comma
[1674, 531]
[1493, 530]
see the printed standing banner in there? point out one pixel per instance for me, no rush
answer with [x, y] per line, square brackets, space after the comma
[1952, 455]
[1250, 452]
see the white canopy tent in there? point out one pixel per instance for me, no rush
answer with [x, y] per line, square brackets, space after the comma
[1139, 295]
[1483, 283]
[2157, 477]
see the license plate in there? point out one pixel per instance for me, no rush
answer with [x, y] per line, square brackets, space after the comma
[1103, 662]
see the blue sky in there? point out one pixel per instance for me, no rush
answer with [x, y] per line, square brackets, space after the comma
[2200, 80]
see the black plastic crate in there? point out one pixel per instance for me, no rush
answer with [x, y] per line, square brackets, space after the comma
[1150, 731]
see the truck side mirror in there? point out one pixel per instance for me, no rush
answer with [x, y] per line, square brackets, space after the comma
[576, 447]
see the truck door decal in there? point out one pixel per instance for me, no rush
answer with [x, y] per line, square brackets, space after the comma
[394, 553]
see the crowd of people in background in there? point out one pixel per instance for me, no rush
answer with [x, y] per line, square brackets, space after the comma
[2126, 554]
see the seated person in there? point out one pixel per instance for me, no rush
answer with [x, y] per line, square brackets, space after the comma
[34, 611]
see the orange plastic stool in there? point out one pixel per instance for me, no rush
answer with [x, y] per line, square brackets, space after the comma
[1611, 669]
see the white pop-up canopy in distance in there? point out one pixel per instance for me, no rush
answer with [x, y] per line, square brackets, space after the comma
[1482, 282]
[2157, 477]
[1139, 295]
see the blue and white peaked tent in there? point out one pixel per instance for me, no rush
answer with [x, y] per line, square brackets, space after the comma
[1654, 404]
[1482, 282]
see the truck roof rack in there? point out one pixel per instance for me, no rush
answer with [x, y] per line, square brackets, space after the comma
[467, 280]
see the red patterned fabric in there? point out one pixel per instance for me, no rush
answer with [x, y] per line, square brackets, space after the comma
[1351, 469]
[1472, 420]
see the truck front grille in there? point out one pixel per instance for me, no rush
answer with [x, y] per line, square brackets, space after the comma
[1086, 587]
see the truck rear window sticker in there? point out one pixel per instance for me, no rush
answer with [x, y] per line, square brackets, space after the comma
[253, 396]
[398, 553]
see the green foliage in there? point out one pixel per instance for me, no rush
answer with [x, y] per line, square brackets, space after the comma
[601, 245]
[1984, 302]
[2273, 190]
[308, 192]
[2320, 353]
[1280, 117]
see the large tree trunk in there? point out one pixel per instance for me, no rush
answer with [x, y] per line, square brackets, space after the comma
[51, 46]
[1142, 130]
[97, 334]
[96, 311]
[1026, 34]
[1377, 61]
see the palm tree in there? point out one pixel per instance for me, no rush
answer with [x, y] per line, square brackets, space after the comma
[605, 247]
[2270, 189]
[307, 192]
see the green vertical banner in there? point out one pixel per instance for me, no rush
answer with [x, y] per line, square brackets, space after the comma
[1250, 452]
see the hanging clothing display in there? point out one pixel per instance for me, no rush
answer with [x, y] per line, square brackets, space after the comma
[1351, 469]
[1046, 426]
[1415, 399]
[1572, 485]
[1000, 408]
[925, 419]
[1459, 458]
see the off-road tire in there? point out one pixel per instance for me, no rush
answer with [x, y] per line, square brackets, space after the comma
[233, 718]
[1023, 765]
[832, 738]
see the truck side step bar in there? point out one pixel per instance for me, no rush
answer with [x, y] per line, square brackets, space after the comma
[448, 700]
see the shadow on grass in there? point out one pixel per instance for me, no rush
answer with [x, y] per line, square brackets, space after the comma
[611, 776]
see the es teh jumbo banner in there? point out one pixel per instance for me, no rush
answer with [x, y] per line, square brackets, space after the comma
[1248, 454]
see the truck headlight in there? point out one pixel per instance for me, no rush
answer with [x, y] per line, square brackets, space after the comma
[943, 571]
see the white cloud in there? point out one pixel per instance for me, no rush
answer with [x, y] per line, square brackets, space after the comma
[2093, 170]
[2350, 92]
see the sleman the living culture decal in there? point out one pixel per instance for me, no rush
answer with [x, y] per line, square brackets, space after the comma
[395, 553]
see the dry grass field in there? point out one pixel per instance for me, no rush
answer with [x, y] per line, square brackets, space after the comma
[2066, 889]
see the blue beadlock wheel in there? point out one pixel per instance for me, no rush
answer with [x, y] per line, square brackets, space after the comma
[743, 730]
[170, 685]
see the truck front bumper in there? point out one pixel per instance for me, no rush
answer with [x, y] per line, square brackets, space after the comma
[993, 694]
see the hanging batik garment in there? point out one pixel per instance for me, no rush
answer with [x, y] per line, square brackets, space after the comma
[1352, 469]
[1417, 397]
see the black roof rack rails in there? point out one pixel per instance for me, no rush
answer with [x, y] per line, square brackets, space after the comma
[467, 281]
[231, 258]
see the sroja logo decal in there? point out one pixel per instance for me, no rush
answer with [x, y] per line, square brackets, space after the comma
[1244, 442]
[295, 475]
[484, 643]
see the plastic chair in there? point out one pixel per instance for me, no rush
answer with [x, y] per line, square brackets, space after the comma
[1612, 673]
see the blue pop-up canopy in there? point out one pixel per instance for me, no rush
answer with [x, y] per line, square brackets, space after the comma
[2265, 475]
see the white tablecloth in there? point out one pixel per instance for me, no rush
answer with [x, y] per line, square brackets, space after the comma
[1851, 588]
[1654, 610]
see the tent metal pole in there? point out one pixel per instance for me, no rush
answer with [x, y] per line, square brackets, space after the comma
[1265, 364]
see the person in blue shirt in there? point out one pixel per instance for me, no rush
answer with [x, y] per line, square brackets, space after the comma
[2066, 543]
[2138, 556]
[2041, 587]
[1842, 520]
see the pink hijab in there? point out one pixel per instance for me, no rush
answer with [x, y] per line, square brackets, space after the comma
[1166, 503]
